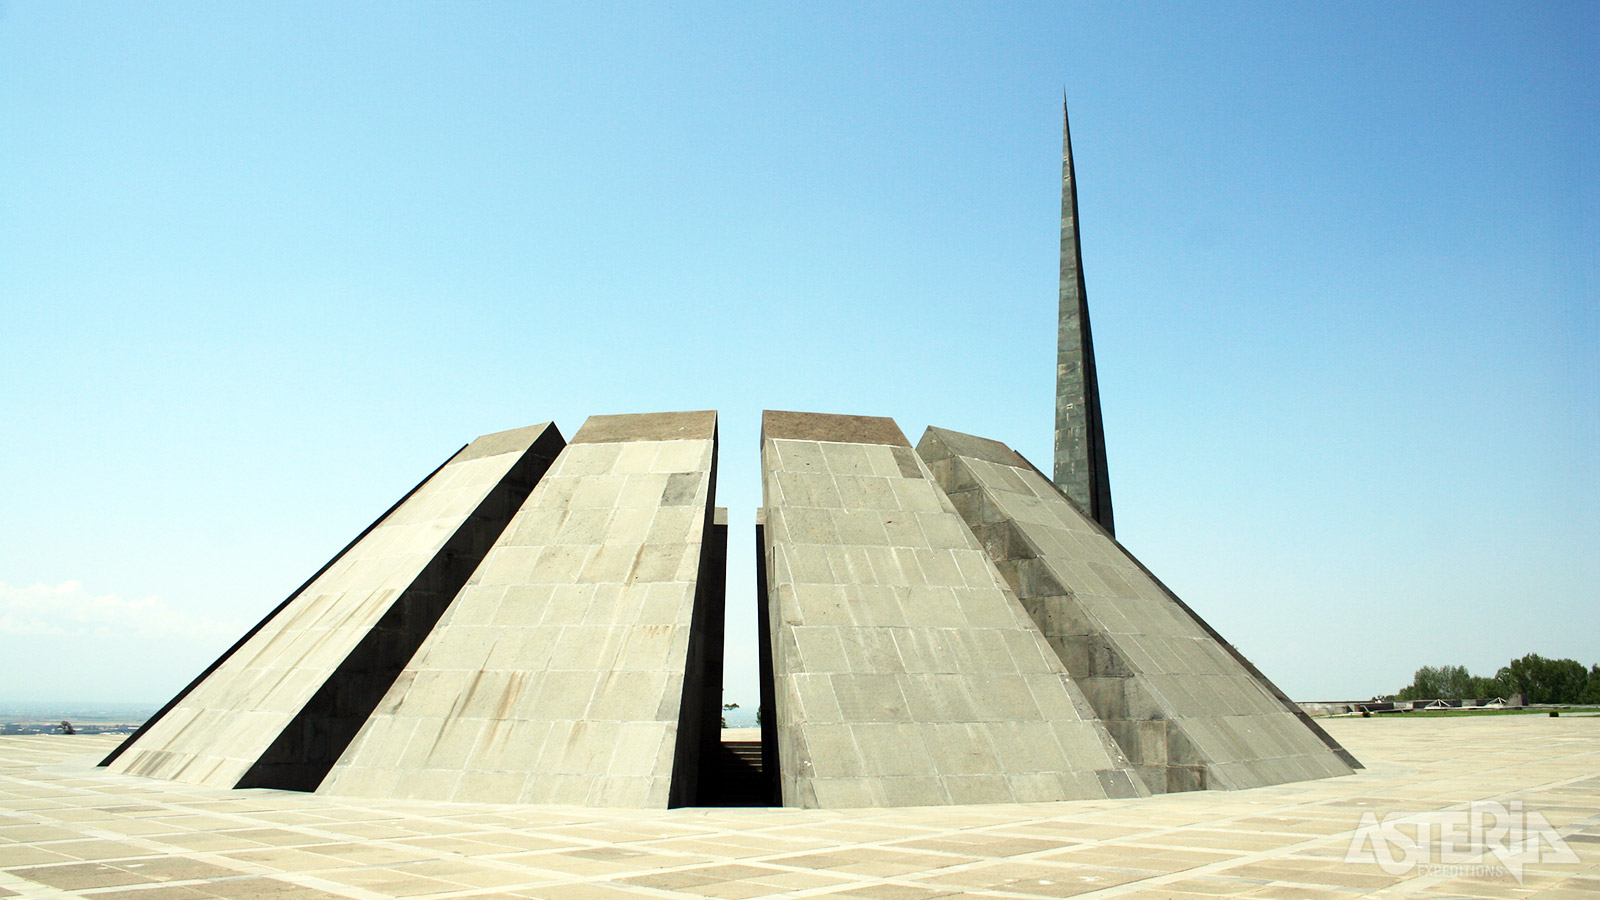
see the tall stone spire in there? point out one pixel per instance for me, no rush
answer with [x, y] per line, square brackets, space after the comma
[1080, 464]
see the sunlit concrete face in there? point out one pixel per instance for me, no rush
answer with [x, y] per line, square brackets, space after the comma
[572, 666]
[278, 709]
[1189, 711]
[905, 671]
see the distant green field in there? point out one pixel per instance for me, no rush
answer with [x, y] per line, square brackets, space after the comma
[1436, 713]
[1474, 712]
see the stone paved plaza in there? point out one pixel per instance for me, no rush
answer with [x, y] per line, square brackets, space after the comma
[69, 829]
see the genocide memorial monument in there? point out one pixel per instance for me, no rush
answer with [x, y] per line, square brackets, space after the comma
[541, 621]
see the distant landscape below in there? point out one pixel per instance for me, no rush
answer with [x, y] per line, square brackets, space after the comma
[86, 716]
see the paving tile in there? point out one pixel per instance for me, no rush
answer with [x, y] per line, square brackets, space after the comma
[671, 881]
[268, 889]
[1208, 887]
[799, 881]
[1042, 880]
[177, 868]
[983, 844]
[477, 875]
[1298, 892]
[18, 855]
[391, 883]
[277, 837]
[874, 861]
[79, 876]
[162, 892]
[282, 859]
[452, 845]
[732, 890]
[891, 892]
[97, 850]
[36, 833]
[210, 841]
[367, 854]
[590, 891]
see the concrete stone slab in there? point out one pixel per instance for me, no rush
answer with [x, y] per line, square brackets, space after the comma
[700, 425]
[781, 425]
[880, 645]
[581, 663]
[1185, 708]
[281, 705]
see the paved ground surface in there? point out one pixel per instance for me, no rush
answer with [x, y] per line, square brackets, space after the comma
[67, 829]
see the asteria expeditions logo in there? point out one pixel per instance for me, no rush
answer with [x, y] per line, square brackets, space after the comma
[1486, 839]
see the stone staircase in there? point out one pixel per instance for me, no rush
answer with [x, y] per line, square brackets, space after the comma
[735, 777]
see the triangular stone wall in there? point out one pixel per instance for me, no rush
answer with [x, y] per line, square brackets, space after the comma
[1185, 707]
[281, 706]
[573, 666]
[905, 671]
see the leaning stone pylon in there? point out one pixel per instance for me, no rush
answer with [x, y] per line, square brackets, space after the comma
[905, 671]
[582, 663]
[1189, 710]
[280, 706]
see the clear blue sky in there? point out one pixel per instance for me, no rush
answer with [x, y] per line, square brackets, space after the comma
[262, 266]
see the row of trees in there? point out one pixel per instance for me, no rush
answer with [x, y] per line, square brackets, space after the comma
[1540, 680]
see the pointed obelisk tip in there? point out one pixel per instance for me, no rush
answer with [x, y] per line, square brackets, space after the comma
[1080, 467]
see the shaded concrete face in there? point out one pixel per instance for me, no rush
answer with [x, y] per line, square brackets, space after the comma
[703, 678]
[279, 708]
[764, 631]
[581, 661]
[905, 673]
[1188, 712]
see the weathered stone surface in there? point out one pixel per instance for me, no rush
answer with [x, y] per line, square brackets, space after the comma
[1188, 711]
[802, 426]
[579, 663]
[700, 425]
[1080, 445]
[905, 672]
[283, 703]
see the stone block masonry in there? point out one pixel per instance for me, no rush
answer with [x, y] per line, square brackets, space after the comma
[581, 664]
[1187, 710]
[905, 672]
[279, 708]
[540, 622]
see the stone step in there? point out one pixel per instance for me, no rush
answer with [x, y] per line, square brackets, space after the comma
[735, 777]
